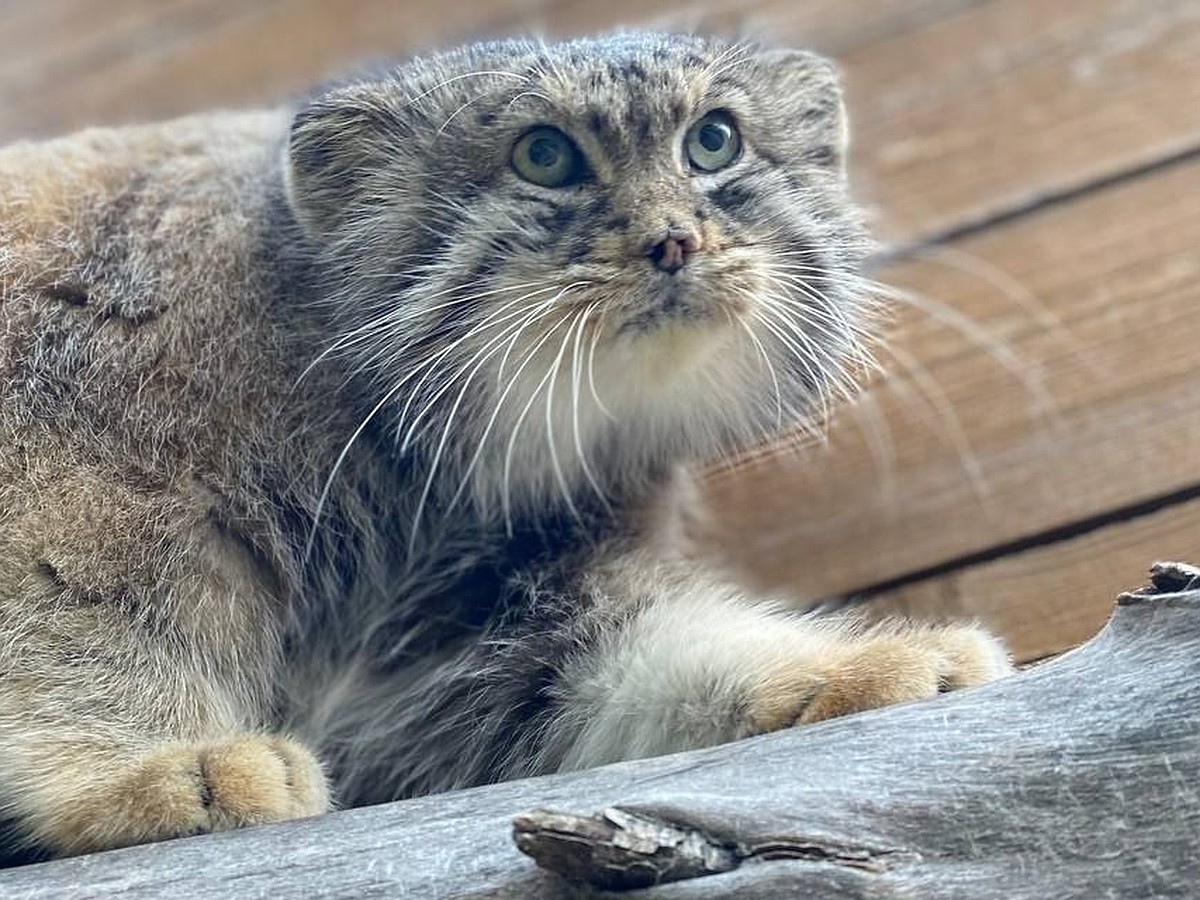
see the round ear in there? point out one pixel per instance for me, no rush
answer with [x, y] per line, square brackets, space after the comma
[336, 144]
[809, 89]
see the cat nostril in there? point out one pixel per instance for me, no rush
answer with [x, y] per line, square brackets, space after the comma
[671, 252]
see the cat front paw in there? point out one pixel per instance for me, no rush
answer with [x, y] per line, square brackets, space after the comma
[184, 789]
[883, 666]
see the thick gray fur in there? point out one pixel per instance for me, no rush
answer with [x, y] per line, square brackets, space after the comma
[331, 449]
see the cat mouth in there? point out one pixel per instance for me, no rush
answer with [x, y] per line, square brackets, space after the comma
[675, 304]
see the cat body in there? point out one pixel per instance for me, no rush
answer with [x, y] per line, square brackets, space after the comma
[334, 442]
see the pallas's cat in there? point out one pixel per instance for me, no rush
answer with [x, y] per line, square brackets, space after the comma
[333, 441]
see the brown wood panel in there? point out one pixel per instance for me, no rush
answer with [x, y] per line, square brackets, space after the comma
[1049, 599]
[57, 41]
[1096, 413]
[1014, 100]
[244, 54]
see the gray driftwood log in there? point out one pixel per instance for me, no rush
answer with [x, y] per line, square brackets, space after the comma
[1078, 778]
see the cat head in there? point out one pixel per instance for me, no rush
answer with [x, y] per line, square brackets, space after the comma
[558, 269]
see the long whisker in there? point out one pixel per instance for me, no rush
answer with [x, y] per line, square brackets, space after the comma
[576, 379]
[1009, 286]
[969, 328]
[878, 437]
[390, 319]
[954, 431]
[816, 382]
[341, 458]
[555, 464]
[961, 323]
[516, 430]
[762, 352]
[435, 463]
[790, 317]
[492, 343]
[498, 405]
[591, 372]
[495, 318]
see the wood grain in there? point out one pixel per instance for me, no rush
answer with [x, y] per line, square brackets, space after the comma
[65, 64]
[1073, 421]
[1013, 101]
[1051, 598]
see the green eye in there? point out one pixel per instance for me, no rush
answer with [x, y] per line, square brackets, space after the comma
[713, 142]
[547, 157]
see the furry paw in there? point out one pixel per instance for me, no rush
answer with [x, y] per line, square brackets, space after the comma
[185, 789]
[882, 667]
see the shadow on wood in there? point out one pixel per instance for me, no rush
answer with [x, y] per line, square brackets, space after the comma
[1075, 778]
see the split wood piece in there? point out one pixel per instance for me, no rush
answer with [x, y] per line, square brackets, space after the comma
[1076, 778]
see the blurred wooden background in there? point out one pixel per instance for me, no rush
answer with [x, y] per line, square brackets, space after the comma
[1035, 168]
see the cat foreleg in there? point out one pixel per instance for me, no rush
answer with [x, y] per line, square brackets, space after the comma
[696, 663]
[136, 660]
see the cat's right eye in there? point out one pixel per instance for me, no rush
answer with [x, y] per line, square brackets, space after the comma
[713, 142]
[548, 157]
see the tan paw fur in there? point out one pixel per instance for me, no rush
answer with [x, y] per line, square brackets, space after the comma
[185, 789]
[882, 667]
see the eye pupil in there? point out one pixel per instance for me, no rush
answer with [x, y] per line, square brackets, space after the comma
[712, 136]
[544, 153]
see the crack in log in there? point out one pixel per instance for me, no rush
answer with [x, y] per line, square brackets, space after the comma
[866, 859]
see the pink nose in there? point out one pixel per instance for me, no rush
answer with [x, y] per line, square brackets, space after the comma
[671, 252]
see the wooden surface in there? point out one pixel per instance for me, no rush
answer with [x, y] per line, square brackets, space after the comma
[1034, 167]
[1076, 779]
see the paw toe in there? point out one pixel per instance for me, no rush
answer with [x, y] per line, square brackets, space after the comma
[261, 779]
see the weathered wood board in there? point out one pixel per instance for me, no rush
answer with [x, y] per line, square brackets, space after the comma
[1076, 778]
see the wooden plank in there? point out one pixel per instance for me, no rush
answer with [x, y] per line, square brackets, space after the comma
[60, 40]
[248, 56]
[1074, 779]
[1120, 272]
[1049, 599]
[1016, 100]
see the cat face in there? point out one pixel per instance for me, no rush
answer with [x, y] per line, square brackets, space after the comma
[566, 265]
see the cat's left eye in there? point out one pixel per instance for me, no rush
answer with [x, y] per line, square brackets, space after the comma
[548, 157]
[713, 142]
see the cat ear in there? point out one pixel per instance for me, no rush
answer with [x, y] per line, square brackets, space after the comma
[809, 91]
[336, 144]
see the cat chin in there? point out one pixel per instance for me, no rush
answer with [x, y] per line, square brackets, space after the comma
[671, 349]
